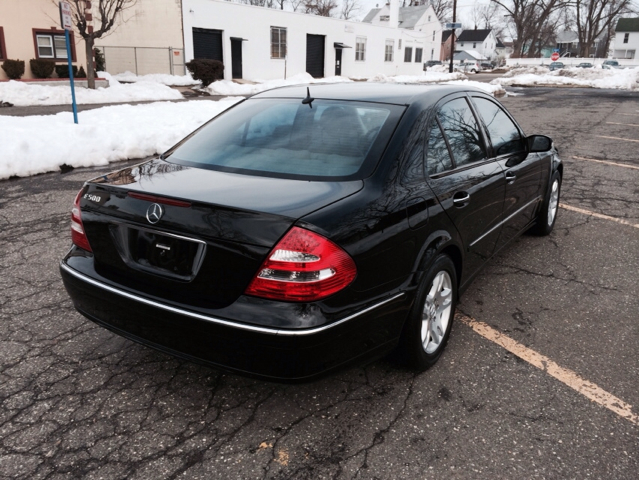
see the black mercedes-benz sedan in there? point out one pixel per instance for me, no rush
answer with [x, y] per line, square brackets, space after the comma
[311, 226]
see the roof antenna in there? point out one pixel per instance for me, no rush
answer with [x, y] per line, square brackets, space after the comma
[308, 100]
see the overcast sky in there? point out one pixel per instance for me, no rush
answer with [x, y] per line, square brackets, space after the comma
[463, 6]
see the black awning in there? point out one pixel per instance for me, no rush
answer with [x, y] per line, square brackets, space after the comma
[239, 38]
[340, 45]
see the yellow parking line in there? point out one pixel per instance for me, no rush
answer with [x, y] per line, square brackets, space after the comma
[599, 215]
[618, 138]
[607, 162]
[626, 124]
[568, 377]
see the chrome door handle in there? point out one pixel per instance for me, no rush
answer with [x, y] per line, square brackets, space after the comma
[511, 177]
[461, 200]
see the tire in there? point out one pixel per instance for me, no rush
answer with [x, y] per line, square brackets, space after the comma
[430, 320]
[547, 216]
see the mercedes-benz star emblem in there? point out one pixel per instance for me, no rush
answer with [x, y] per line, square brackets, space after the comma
[154, 213]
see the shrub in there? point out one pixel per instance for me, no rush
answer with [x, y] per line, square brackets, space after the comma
[63, 71]
[100, 65]
[205, 70]
[82, 73]
[13, 68]
[42, 68]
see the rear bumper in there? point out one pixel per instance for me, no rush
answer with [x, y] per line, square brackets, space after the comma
[270, 353]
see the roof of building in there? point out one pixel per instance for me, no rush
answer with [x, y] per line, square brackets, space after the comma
[474, 35]
[627, 25]
[370, 15]
[408, 16]
[567, 36]
[473, 54]
[499, 44]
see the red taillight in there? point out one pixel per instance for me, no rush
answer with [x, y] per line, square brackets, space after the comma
[303, 267]
[78, 237]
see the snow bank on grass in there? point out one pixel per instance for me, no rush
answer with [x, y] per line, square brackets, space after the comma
[622, 79]
[38, 144]
[226, 87]
[24, 94]
[170, 80]
[427, 77]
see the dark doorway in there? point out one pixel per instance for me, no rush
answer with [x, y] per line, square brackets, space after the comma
[236, 57]
[338, 61]
[207, 44]
[315, 55]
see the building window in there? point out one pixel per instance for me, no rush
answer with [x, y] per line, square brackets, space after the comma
[432, 53]
[408, 54]
[52, 44]
[3, 49]
[461, 44]
[429, 18]
[474, 44]
[418, 55]
[278, 42]
[433, 35]
[399, 44]
[384, 18]
[625, 37]
[388, 52]
[360, 49]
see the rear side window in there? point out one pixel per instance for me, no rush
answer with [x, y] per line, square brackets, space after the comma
[285, 138]
[503, 133]
[437, 158]
[462, 131]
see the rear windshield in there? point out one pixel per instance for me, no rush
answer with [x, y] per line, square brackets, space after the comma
[285, 138]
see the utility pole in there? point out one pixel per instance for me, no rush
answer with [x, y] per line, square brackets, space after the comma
[452, 37]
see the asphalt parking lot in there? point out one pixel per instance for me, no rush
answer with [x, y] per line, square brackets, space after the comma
[540, 378]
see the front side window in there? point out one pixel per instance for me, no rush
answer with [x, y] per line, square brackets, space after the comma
[278, 42]
[462, 131]
[408, 54]
[51, 46]
[418, 55]
[287, 139]
[388, 51]
[360, 49]
[503, 133]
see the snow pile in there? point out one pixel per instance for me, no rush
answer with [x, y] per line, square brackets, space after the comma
[524, 70]
[486, 87]
[226, 87]
[170, 80]
[24, 94]
[622, 79]
[38, 144]
[427, 77]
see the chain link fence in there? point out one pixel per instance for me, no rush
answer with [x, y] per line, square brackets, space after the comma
[143, 60]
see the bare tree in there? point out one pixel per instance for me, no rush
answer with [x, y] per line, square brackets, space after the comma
[595, 17]
[443, 9]
[350, 8]
[297, 4]
[489, 17]
[260, 3]
[533, 21]
[323, 8]
[280, 3]
[92, 20]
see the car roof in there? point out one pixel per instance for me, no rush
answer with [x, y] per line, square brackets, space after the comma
[396, 93]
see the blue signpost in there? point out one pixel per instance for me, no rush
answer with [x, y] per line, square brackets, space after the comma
[66, 21]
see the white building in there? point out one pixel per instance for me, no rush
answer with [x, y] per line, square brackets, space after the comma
[262, 43]
[481, 41]
[626, 42]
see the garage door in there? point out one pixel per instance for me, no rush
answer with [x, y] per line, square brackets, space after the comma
[315, 55]
[207, 44]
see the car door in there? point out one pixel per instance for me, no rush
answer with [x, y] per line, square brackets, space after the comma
[523, 171]
[469, 185]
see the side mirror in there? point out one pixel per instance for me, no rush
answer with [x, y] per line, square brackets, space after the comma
[539, 143]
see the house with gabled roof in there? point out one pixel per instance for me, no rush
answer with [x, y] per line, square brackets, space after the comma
[626, 41]
[482, 41]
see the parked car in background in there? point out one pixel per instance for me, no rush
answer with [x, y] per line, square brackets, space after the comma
[486, 66]
[468, 67]
[585, 65]
[608, 64]
[556, 66]
[431, 63]
[307, 227]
